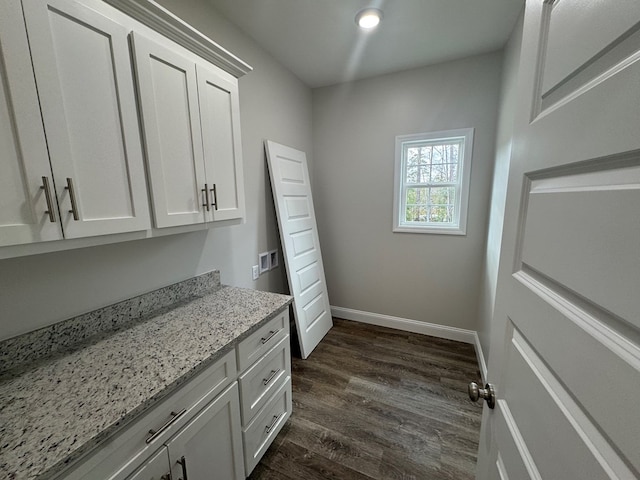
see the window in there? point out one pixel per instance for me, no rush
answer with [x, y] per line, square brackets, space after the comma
[432, 182]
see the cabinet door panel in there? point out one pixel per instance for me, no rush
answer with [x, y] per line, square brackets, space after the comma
[220, 115]
[156, 468]
[83, 70]
[171, 119]
[24, 152]
[211, 444]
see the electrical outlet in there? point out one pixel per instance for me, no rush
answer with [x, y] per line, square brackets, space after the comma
[255, 272]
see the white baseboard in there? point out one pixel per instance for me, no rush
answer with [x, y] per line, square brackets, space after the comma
[405, 324]
[480, 354]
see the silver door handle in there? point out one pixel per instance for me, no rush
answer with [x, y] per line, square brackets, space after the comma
[205, 203]
[47, 195]
[72, 198]
[214, 192]
[487, 393]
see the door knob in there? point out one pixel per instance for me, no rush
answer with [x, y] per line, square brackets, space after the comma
[488, 393]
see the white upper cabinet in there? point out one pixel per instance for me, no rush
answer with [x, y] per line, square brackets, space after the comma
[220, 117]
[71, 123]
[25, 162]
[83, 71]
[168, 95]
[191, 123]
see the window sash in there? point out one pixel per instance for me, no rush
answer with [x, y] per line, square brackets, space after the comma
[455, 220]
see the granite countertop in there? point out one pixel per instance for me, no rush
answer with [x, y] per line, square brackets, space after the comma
[57, 409]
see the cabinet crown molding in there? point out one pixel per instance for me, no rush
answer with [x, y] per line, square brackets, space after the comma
[166, 23]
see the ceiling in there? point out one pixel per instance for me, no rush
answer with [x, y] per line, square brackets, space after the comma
[319, 41]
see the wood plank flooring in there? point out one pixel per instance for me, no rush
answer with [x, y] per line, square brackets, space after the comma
[376, 403]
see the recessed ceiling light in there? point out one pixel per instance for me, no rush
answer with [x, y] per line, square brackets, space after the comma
[368, 18]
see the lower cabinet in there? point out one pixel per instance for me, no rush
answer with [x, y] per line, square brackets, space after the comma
[216, 426]
[208, 447]
[264, 359]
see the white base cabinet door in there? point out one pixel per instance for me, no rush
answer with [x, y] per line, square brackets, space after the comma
[210, 446]
[25, 215]
[156, 468]
[82, 66]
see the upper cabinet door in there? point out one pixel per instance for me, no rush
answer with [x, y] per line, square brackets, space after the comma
[171, 123]
[83, 71]
[220, 117]
[24, 152]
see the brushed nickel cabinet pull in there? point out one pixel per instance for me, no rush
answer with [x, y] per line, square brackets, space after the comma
[271, 377]
[47, 195]
[206, 198]
[183, 464]
[273, 423]
[272, 333]
[72, 197]
[215, 197]
[174, 416]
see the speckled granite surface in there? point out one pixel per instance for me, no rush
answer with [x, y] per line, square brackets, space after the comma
[64, 336]
[59, 409]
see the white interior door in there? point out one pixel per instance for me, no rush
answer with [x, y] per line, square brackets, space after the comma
[24, 152]
[299, 234]
[168, 95]
[220, 118]
[565, 346]
[85, 83]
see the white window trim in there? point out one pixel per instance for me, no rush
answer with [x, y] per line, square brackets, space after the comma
[398, 201]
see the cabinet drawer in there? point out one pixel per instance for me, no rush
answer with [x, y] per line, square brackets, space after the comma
[262, 340]
[265, 426]
[118, 456]
[260, 382]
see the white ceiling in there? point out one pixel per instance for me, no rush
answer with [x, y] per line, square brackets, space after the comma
[319, 41]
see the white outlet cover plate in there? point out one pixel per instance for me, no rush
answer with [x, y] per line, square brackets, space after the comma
[255, 272]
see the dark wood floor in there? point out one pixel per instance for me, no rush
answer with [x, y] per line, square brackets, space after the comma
[377, 403]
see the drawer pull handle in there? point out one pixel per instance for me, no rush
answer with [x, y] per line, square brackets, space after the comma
[272, 334]
[272, 375]
[183, 464]
[273, 422]
[174, 416]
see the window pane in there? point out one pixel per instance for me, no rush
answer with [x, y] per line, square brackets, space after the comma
[415, 213]
[444, 173]
[412, 175]
[442, 196]
[417, 196]
[440, 214]
[413, 156]
[425, 154]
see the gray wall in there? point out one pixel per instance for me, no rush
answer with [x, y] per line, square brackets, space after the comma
[42, 289]
[431, 278]
[508, 102]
